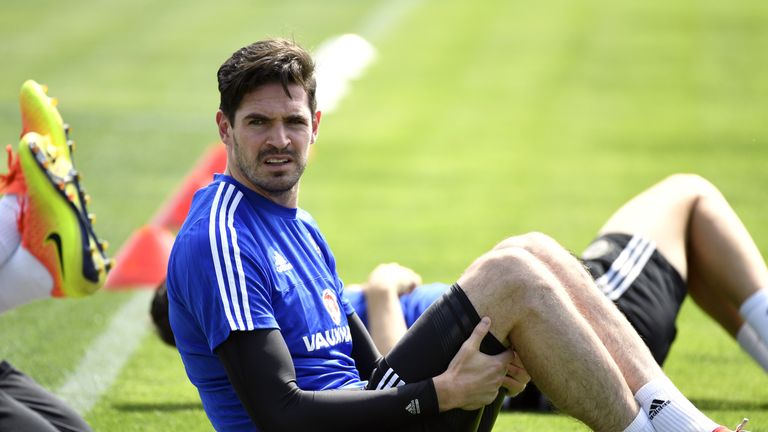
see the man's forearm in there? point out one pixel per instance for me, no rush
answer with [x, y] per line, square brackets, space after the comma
[385, 318]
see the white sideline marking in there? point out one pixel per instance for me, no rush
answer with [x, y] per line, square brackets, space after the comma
[344, 58]
[339, 60]
[106, 356]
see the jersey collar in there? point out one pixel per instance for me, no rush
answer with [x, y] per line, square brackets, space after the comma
[257, 199]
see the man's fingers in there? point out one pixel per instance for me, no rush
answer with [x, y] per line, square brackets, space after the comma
[409, 280]
[481, 329]
[516, 376]
[517, 361]
[394, 277]
[508, 357]
[415, 277]
[518, 373]
[513, 386]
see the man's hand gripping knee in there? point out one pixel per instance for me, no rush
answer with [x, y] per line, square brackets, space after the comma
[473, 379]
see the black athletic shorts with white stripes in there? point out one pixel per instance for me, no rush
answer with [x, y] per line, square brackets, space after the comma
[645, 287]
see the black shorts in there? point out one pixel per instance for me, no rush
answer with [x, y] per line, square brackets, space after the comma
[643, 285]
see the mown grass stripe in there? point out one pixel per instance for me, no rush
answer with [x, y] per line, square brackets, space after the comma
[106, 356]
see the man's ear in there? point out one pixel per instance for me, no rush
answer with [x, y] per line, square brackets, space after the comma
[315, 126]
[225, 128]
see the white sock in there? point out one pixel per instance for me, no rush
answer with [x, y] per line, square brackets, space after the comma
[23, 279]
[755, 312]
[640, 423]
[670, 411]
[753, 345]
[10, 238]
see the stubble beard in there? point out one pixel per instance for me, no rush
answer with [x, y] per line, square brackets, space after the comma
[272, 184]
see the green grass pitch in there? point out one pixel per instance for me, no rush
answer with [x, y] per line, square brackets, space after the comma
[477, 120]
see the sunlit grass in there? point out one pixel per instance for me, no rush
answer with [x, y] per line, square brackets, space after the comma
[477, 121]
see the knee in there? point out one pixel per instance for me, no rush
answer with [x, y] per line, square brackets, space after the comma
[691, 184]
[516, 269]
[536, 243]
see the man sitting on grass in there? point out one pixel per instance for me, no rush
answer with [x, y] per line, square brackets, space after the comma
[251, 281]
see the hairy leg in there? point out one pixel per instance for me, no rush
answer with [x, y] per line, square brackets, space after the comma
[530, 308]
[574, 342]
[625, 346]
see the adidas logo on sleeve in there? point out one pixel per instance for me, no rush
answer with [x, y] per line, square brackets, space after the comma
[414, 407]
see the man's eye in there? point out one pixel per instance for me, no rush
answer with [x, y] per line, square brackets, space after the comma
[256, 122]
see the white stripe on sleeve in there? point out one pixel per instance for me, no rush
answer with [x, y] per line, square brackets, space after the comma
[227, 258]
[215, 256]
[239, 263]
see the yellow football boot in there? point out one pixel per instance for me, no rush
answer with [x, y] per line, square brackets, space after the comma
[54, 222]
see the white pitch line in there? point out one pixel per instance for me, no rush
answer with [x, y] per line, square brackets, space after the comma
[339, 60]
[106, 356]
[344, 58]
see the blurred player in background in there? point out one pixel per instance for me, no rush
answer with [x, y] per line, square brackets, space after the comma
[679, 237]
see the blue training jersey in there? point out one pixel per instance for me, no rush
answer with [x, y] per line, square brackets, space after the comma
[241, 262]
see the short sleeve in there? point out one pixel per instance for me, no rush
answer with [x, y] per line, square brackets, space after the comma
[224, 282]
[347, 305]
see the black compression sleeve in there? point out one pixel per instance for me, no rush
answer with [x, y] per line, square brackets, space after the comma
[260, 369]
[364, 351]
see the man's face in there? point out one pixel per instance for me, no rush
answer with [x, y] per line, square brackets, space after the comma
[268, 141]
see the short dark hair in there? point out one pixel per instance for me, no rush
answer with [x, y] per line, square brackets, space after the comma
[265, 62]
[159, 312]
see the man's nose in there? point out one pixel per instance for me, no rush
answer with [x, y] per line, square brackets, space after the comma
[278, 137]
